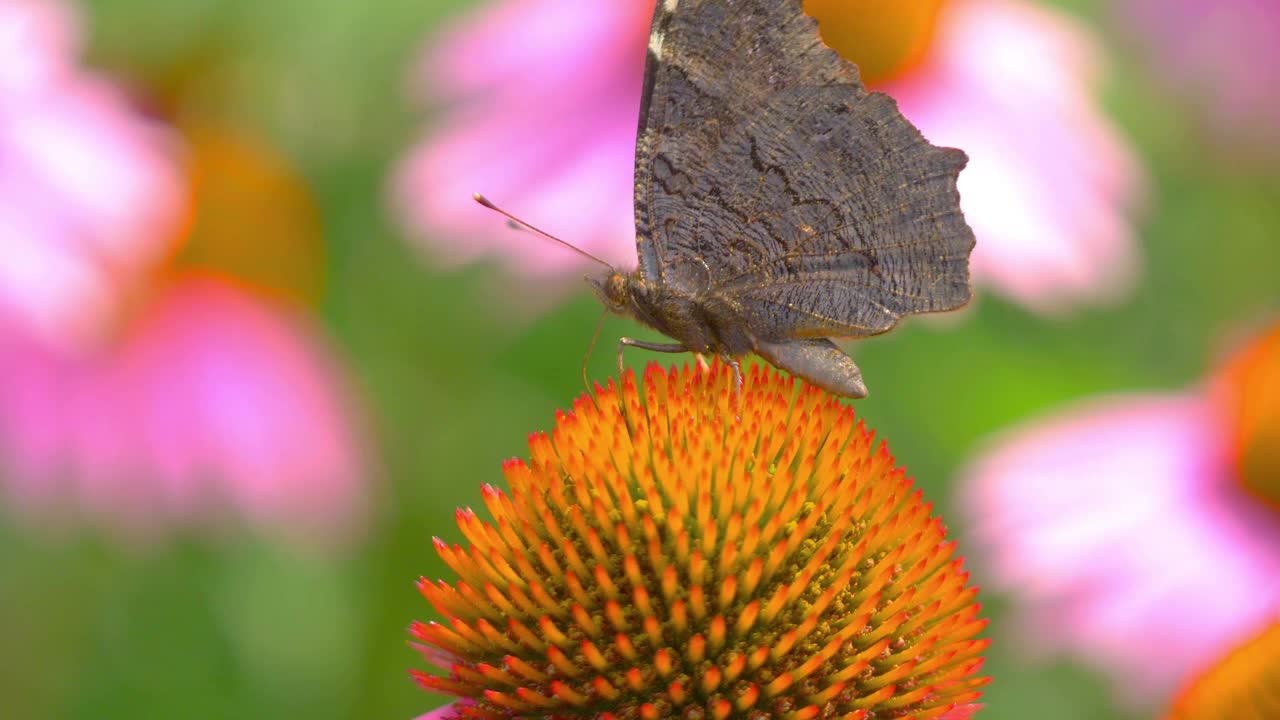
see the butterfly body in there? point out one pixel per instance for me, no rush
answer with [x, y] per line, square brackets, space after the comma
[705, 323]
[715, 324]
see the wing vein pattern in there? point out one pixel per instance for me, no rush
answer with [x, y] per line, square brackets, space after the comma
[821, 201]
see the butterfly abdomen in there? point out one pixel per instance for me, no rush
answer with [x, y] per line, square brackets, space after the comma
[702, 322]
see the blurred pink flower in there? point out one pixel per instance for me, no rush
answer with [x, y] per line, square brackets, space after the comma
[448, 712]
[1051, 184]
[1221, 56]
[130, 388]
[540, 99]
[89, 193]
[213, 399]
[1127, 534]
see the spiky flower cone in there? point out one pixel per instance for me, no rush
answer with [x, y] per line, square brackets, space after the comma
[678, 551]
[1244, 686]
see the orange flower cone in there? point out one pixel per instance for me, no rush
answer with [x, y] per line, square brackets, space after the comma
[678, 550]
[885, 39]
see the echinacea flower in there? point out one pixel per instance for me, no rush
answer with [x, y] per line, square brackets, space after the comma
[89, 193]
[1220, 57]
[539, 102]
[212, 400]
[1245, 685]
[680, 550]
[156, 368]
[1134, 531]
[542, 100]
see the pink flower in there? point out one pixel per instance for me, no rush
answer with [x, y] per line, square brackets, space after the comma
[1051, 183]
[133, 389]
[448, 712]
[89, 193]
[543, 97]
[214, 399]
[541, 100]
[1128, 534]
[1221, 56]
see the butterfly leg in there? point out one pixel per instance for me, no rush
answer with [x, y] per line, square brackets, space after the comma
[737, 371]
[819, 361]
[644, 345]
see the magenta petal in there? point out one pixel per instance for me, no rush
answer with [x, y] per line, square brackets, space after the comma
[214, 401]
[448, 712]
[34, 385]
[577, 189]
[1120, 533]
[543, 104]
[230, 389]
[532, 47]
[961, 712]
[38, 40]
[90, 193]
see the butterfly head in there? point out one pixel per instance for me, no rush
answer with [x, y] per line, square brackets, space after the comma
[614, 291]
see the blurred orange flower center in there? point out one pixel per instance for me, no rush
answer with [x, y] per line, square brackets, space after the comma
[1251, 393]
[886, 38]
[1243, 686]
[252, 217]
[250, 222]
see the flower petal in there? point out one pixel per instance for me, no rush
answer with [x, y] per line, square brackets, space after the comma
[543, 122]
[90, 193]
[448, 712]
[1119, 529]
[38, 38]
[1050, 183]
[212, 400]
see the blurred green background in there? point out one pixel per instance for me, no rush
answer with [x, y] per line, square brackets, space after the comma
[243, 626]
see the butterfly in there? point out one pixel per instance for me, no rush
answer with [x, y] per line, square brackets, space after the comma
[778, 203]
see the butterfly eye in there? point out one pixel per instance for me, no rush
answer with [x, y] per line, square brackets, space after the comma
[617, 287]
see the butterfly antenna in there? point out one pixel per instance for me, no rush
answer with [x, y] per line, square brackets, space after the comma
[586, 358]
[520, 223]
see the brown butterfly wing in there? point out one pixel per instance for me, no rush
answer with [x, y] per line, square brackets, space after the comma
[767, 175]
